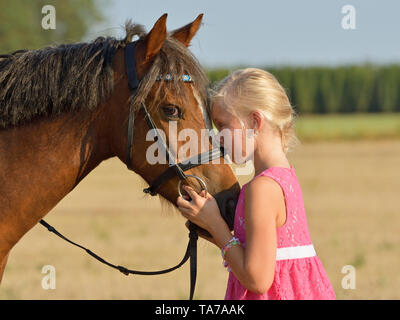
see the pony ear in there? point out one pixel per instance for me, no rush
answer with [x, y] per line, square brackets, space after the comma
[186, 33]
[155, 38]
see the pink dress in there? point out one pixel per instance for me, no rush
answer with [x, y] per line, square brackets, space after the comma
[299, 273]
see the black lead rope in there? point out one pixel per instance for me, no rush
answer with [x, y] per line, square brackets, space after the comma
[191, 253]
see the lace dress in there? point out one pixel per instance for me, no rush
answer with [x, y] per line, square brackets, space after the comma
[299, 273]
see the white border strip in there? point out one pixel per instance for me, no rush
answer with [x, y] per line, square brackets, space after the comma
[295, 252]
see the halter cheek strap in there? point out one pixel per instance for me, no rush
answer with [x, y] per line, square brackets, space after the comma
[131, 65]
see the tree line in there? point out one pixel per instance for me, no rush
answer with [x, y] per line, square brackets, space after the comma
[344, 89]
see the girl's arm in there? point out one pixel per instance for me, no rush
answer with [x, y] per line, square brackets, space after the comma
[254, 265]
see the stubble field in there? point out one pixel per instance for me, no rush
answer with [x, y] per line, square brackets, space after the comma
[351, 193]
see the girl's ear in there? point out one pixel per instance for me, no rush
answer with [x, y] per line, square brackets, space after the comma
[257, 119]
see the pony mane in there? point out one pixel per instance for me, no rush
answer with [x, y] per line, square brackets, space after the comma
[71, 77]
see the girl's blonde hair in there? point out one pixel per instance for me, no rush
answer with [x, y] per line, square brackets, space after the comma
[246, 90]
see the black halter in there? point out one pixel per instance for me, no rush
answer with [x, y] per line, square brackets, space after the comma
[175, 169]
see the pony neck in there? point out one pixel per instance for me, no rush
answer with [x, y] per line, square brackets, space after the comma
[40, 163]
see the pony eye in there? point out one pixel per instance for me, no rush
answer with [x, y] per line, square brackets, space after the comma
[172, 111]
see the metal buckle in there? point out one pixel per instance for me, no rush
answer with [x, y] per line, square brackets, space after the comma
[202, 183]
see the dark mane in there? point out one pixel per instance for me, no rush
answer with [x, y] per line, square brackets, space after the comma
[68, 78]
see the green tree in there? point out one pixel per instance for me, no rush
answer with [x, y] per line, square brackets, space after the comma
[388, 87]
[21, 22]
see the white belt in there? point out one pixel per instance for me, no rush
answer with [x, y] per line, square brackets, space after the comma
[295, 252]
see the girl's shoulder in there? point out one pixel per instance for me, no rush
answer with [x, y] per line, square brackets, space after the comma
[272, 185]
[272, 173]
[260, 184]
[266, 188]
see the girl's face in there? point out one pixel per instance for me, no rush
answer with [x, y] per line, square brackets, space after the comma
[236, 140]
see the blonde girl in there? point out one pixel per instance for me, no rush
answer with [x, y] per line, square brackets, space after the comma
[270, 255]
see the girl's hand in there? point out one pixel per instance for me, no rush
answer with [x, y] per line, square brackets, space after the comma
[202, 210]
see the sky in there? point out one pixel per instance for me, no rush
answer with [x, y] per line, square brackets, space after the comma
[272, 33]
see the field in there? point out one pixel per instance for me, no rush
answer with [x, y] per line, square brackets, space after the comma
[351, 191]
[351, 126]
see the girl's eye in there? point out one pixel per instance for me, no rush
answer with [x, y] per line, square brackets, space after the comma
[172, 111]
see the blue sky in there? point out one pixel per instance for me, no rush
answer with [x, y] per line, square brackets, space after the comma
[270, 33]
